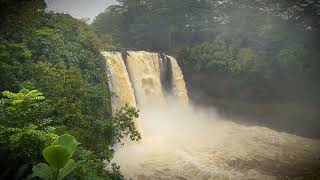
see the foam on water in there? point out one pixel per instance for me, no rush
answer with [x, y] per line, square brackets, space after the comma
[183, 142]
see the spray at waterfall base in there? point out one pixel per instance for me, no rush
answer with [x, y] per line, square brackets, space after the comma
[180, 142]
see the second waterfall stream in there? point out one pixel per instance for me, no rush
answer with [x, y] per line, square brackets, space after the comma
[180, 141]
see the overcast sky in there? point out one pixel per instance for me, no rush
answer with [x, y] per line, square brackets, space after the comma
[79, 8]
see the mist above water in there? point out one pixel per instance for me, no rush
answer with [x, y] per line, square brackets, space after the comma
[181, 141]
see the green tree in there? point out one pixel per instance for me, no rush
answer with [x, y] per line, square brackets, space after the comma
[25, 127]
[19, 17]
[12, 58]
[136, 23]
[23, 107]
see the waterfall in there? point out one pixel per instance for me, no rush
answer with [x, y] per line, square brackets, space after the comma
[119, 82]
[144, 71]
[165, 74]
[179, 86]
[144, 78]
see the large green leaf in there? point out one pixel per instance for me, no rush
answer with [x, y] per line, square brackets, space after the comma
[43, 171]
[56, 155]
[67, 141]
[67, 169]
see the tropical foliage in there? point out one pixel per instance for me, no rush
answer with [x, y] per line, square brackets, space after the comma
[53, 82]
[58, 155]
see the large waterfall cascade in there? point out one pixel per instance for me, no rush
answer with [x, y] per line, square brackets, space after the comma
[138, 78]
[182, 142]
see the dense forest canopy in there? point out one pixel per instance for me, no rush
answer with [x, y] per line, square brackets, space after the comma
[128, 20]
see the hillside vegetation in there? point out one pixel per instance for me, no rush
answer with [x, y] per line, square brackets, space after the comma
[53, 81]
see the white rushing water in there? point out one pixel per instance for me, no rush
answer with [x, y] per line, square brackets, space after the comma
[144, 72]
[119, 82]
[183, 142]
